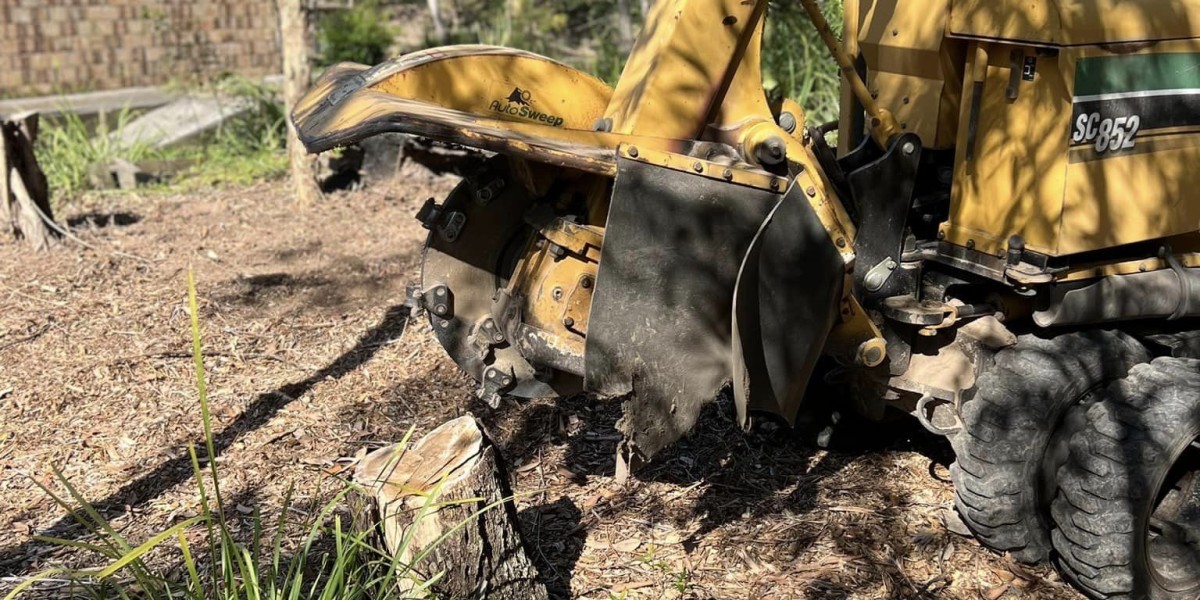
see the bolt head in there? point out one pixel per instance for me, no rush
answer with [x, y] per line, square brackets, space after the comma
[440, 310]
[569, 322]
[788, 122]
[698, 167]
[908, 148]
[771, 151]
[728, 174]
[633, 151]
[870, 353]
[586, 283]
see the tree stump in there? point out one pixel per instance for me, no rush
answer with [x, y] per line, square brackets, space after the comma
[485, 558]
[24, 192]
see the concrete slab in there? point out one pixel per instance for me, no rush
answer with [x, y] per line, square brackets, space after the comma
[181, 120]
[90, 103]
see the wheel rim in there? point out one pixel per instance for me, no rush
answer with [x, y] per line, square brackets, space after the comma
[1173, 531]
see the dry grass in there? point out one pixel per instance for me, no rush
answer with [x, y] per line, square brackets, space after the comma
[312, 357]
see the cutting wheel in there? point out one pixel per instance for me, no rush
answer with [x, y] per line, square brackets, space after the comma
[473, 248]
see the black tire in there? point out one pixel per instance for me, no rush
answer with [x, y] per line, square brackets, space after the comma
[1002, 486]
[1133, 460]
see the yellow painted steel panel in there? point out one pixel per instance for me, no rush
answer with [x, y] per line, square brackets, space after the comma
[1014, 183]
[1143, 184]
[695, 63]
[1100, 150]
[1076, 22]
[912, 68]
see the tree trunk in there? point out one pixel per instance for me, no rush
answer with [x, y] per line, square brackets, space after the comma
[438, 28]
[297, 75]
[24, 193]
[625, 25]
[453, 475]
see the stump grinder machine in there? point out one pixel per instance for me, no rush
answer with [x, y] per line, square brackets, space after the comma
[1000, 237]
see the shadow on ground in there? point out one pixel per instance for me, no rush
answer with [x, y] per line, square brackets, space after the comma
[101, 220]
[175, 471]
[744, 482]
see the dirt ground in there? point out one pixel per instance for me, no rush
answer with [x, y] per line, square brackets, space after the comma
[311, 357]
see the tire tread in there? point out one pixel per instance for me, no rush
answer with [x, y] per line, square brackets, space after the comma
[1007, 426]
[1098, 515]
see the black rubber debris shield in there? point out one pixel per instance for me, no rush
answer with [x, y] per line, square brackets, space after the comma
[786, 302]
[661, 322]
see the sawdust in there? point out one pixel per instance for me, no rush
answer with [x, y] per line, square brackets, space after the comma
[311, 357]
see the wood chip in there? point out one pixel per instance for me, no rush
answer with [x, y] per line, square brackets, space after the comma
[633, 585]
[996, 592]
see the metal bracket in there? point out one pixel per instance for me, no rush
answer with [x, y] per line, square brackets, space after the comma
[495, 384]
[485, 336]
[879, 274]
[452, 228]
[437, 300]
[882, 191]
[486, 193]
[490, 331]
[432, 216]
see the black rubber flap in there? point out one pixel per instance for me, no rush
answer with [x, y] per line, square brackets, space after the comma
[785, 305]
[661, 320]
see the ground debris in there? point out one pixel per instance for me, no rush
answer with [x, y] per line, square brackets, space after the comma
[312, 357]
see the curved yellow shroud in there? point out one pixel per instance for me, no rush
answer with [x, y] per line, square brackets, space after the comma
[498, 99]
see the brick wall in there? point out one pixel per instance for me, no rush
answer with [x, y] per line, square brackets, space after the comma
[61, 46]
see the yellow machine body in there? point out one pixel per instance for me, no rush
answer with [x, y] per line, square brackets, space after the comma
[689, 107]
[998, 82]
[1055, 133]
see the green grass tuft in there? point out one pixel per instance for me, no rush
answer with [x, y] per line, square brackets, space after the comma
[245, 150]
[68, 150]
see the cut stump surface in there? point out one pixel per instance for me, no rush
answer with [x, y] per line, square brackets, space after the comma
[420, 497]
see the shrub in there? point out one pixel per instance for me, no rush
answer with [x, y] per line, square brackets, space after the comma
[355, 35]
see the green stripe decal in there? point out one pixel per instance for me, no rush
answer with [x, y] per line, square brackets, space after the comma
[1137, 73]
